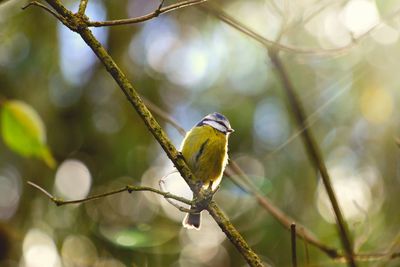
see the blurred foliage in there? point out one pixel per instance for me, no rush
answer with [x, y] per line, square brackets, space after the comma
[24, 132]
[190, 64]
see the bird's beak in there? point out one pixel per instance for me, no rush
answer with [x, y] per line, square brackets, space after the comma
[230, 130]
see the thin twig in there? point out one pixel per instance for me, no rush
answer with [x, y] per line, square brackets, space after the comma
[47, 9]
[40, 189]
[391, 251]
[293, 242]
[128, 188]
[82, 7]
[285, 21]
[146, 17]
[223, 16]
[158, 10]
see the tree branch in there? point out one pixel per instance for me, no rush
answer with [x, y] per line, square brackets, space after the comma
[128, 188]
[310, 144]
[82, 7]
[223, 16]
[40, 5]
[313, 151]
[75, 23]
[293, 242]
[160, 10]
[284, 219]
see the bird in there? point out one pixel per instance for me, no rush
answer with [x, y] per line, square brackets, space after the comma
[205, 150]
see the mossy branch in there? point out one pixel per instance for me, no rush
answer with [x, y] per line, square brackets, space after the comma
[79, 24]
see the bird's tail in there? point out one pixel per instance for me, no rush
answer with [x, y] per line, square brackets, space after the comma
[192, 220]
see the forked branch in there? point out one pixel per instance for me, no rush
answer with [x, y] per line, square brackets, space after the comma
[160, 10]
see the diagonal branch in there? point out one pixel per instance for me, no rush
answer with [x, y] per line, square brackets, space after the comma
[299, 114]
[160, 10]
[280, 216]
[314, 152]
[78, 25]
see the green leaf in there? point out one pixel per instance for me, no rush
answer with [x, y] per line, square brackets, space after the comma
[24, 132]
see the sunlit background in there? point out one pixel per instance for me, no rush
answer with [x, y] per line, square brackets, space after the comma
[190, 64]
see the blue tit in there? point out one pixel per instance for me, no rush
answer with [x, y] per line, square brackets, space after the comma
[205, 150]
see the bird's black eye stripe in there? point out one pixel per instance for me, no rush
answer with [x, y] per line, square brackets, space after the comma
[221, 123]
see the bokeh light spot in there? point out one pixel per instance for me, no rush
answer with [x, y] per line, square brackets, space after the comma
[334, 30]
[39, 250]
[73, 179]
[188, 65]
[360, 15]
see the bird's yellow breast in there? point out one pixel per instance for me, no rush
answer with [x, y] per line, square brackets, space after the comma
[205, 151]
